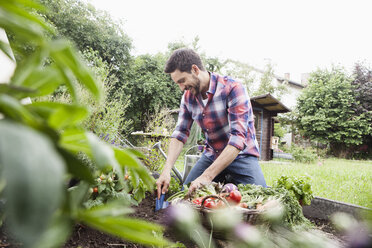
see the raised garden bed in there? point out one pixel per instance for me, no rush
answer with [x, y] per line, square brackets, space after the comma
[87, 237]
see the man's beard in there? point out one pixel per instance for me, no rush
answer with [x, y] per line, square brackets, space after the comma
[196, 85]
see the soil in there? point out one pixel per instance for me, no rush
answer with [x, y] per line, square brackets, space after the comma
[86, 237]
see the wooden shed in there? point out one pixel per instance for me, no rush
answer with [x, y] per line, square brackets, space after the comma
[265, 108]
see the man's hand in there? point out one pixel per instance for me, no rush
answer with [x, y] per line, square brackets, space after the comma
[198, 182]
[162, 183]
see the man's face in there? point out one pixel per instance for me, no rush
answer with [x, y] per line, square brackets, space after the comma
[186, 81]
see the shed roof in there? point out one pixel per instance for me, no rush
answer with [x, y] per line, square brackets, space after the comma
[270, 103]
[266, 101]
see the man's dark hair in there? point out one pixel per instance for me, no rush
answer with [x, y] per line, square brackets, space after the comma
[183, 59]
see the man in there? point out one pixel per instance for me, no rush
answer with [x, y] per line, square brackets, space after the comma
[221, 107]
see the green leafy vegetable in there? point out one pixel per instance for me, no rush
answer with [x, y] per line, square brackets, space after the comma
[293, 216]
[299, 186]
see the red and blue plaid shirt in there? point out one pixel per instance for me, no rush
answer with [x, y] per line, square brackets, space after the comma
[226, 119]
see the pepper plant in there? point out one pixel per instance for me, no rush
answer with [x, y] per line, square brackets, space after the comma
[41, 143]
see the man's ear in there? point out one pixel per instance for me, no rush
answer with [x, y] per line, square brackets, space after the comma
[195, 69]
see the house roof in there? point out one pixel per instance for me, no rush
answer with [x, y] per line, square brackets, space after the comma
[269, 103]
[281, 79]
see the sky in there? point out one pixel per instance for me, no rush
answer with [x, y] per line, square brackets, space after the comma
[296, 36]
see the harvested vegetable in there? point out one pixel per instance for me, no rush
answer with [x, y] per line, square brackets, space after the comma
[210, 203]
[198, 200]
[229, 187]
[234, 197]
[299, 186]
[205, 190]
[255, 195]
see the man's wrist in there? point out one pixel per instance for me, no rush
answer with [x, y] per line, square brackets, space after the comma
[167, 169]
[207, 175]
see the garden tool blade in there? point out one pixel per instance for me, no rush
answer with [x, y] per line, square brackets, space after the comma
[160, 203]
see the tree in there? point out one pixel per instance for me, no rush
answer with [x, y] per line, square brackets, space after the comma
[363, 90]
[210, 63]
[363, 94]
[149, 89]
[325, 111]
[266, 83]
[90, 28]
[241, 71]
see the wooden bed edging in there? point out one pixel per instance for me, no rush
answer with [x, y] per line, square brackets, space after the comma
[322, 208]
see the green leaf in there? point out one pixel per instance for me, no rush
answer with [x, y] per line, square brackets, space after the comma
[114, 208]
[69, 82]
[101, 188]
[77, 167]
[25, 29]
[76, 196]
[67, 60]
[75, 141]
[130, 229]
[15, 91]
[43, 81]
[28, 66]
[12, 108]
[60, 115]
[136, 153]
[5, 47]
[58, 232]
[67, 115]
[104, 155]
[15, 8]
[126, 159]
[35, 180]
[135, 179]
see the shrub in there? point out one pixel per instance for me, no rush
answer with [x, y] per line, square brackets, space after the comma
[303, 155]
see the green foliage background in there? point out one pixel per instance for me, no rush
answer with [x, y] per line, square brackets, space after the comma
[326, 114]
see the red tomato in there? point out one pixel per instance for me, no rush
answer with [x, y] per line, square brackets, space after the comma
[234, 196]
[198, 200]
[95, 190]
[210, 204]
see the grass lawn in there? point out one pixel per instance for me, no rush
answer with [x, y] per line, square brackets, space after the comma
[337, 179]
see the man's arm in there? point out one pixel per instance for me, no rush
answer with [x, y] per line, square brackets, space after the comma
[227, 156]
[174, 150]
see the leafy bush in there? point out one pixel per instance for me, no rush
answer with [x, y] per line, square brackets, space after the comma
[108, 187]
[303, 155]
[155, 160]
[174, 186]
[279, 131]
[41, 143]
[326, 114]
[161, 125]
[161, 122]
[300, 187]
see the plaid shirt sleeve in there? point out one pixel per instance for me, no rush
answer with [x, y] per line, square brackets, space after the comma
[184, 122]
[238, 111]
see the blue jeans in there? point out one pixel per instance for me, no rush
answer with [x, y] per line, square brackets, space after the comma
[244, 170]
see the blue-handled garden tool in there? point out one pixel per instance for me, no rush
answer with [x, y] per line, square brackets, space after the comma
[160, 203]
[190, 160]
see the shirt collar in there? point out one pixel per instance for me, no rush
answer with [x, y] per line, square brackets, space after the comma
[212, 83]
